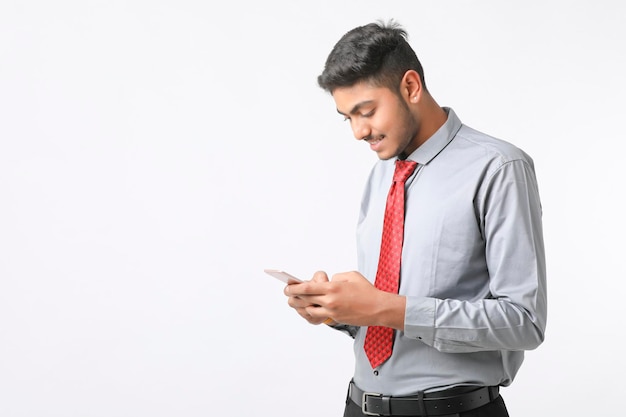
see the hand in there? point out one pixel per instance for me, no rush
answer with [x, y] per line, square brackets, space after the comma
[349, 299]
[300, 304]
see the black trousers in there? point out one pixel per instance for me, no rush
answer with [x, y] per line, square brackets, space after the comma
[496, 408]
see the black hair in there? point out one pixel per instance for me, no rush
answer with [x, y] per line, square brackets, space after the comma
[377, 53]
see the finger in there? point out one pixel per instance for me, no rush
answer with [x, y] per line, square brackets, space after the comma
[297, 302]
[291, 290]
[304, 314]
[317, 313]
[307, 288]
[311, 319]
[320, 276]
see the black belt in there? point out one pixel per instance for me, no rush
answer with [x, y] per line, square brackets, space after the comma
[451, 401]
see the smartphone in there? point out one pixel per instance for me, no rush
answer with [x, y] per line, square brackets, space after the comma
[283, 276]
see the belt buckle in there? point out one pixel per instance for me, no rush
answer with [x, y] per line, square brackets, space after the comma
[364, 403]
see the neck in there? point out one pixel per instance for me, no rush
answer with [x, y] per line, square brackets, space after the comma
[430, 116]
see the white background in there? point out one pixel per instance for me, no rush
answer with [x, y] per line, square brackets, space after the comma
[155, 156]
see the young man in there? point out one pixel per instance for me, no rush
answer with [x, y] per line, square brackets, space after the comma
[449, 294]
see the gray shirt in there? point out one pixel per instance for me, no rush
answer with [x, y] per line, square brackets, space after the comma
[473, 264]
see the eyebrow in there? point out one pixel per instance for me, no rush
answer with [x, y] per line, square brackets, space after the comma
[357, 107]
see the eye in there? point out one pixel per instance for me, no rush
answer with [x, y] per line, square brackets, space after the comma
[368, 114]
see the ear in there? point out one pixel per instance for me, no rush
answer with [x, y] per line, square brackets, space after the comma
[411, 87]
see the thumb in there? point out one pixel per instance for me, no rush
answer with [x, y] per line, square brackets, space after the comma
[320, 276]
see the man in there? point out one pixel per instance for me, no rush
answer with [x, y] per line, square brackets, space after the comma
[468, 252]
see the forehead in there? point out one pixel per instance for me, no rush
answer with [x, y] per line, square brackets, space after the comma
[349, 99]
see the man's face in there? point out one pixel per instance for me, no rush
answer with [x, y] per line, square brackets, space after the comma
[379, 117]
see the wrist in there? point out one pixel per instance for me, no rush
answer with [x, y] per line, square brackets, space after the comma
[392, 311]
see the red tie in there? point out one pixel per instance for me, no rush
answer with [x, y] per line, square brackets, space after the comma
[379, 340]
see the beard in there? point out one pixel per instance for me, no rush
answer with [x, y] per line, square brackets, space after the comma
[409, 133]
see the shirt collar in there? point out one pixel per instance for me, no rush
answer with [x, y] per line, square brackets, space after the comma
[439, 140]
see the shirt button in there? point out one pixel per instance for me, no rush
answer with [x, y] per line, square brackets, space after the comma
[376, 373]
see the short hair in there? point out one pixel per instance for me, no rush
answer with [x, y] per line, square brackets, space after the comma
[377, 53]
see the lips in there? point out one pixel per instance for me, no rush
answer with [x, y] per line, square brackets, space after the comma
[375, 142]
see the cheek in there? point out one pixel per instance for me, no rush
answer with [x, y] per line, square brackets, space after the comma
[410, 125]
[395, 122]
[401, 129]
[387, 123]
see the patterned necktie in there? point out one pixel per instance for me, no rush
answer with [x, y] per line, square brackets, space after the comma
[379, 340]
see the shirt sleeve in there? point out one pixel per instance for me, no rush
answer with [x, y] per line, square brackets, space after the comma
[513, 315]
[345, 328]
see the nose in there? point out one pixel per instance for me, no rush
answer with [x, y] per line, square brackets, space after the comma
[360, 128]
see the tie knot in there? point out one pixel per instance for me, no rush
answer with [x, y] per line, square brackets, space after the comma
[404, 169]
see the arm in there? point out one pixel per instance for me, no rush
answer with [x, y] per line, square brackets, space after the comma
[513, 315]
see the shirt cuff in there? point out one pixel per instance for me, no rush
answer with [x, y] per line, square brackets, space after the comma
[419, 319]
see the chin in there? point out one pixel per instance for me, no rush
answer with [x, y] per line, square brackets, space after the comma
[385, 157]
